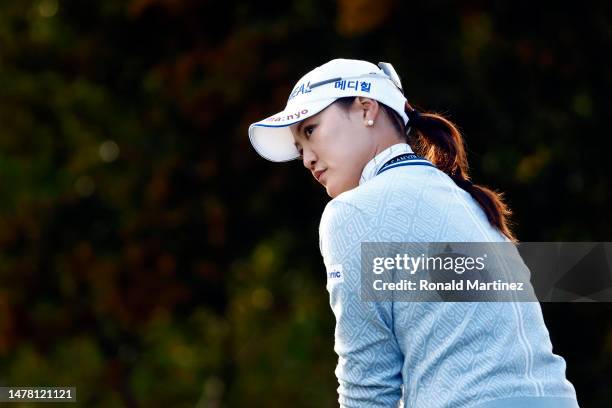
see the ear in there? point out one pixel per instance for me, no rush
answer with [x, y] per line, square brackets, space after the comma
[369, 108]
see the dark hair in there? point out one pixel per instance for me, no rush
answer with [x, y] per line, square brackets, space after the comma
[438, 139]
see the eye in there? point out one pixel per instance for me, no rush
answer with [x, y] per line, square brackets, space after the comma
[308, 130]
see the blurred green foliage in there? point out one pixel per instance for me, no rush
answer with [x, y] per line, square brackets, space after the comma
[150, 258]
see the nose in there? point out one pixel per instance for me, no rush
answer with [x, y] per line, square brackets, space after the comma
[309, 158]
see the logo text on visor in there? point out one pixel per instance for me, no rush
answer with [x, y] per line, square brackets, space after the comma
[292, 116]
[300, 89]
[339, 83]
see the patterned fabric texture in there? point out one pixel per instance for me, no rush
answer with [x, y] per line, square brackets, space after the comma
[429, 354]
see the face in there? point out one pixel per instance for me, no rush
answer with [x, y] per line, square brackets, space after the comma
[335, 146]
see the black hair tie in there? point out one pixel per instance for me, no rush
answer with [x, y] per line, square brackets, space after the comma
[463, 183]
[413, 115]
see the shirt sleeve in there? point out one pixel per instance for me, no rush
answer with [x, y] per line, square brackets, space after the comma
[369, 357]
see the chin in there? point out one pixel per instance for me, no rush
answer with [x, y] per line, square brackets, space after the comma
[334, 190]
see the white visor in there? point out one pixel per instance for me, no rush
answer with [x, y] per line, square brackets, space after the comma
[272, 137]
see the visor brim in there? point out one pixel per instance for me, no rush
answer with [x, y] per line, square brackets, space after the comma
[272, 138]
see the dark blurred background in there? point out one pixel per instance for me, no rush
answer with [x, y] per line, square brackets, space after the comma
[149, 257]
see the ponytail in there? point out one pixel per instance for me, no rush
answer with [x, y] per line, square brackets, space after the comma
[439, 141]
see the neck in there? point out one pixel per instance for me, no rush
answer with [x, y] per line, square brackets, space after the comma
[390, 151]
[385, 143]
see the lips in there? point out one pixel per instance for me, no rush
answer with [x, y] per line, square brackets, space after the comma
[317, 174]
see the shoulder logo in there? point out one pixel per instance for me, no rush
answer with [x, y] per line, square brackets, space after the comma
[335, 274]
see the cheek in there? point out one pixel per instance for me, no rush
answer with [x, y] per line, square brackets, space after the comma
[346, 145]
[353, 152]
[346, 163]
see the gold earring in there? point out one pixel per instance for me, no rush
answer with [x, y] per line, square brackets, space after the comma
[370, 122]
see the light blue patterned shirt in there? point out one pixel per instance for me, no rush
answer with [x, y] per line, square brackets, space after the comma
[429, 354]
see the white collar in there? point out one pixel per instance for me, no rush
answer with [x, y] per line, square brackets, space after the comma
[371, 168]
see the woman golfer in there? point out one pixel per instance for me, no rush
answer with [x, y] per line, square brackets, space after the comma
[399, 175]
